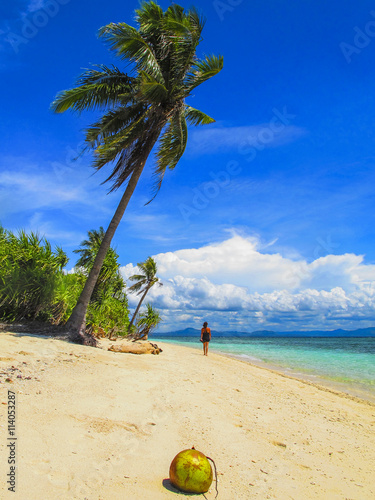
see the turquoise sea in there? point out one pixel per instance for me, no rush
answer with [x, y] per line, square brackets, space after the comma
[345, 364]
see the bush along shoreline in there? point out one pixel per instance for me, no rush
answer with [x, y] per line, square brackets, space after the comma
[35, 290]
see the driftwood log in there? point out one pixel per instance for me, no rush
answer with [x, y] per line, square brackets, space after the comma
[141, 347]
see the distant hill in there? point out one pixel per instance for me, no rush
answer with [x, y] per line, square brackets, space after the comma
[193, 332]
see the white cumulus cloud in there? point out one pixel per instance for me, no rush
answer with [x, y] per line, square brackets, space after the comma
[238, 284]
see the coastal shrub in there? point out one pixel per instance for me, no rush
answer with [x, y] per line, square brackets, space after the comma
[108, 308]
[110, 315]
[107, 313]
[67, 290]
[33, 285]
[109, 278]
[29, 271]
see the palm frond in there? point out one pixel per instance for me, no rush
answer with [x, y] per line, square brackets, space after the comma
[171, 147]
[112, 122]
[129, 44]
[151, 90]
[197, 117]
[176, 22]
[148, 278]
[115, 144]
[96, 89]
[137, 277]
[203, 70]
[130, 148]
[186, 33]
[137, 287]
[138, 109]
[149, 13]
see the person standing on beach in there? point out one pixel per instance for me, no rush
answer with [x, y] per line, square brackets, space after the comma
[205, 337]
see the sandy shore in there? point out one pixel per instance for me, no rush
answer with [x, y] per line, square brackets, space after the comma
[93, 424]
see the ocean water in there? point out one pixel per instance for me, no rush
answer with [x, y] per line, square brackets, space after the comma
[345, 364]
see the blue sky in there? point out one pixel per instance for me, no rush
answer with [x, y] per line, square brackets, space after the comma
[267, 221]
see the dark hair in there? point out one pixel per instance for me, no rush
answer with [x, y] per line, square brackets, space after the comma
[205, 324]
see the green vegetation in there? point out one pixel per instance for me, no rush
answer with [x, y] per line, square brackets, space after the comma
[108, 307]
[147, 322]
[67, 290]
[142, 110]
[33, 285]
[29, 274]
[144, 281]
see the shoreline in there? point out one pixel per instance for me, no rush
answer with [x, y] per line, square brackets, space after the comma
[336, 387]
[321, 383]
[97, 424]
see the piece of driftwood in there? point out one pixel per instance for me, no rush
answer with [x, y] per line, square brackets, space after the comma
[141, 347]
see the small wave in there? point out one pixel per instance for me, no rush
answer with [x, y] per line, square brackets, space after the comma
[246, 357]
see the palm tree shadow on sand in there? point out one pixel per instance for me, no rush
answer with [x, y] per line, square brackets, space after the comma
[35, 328]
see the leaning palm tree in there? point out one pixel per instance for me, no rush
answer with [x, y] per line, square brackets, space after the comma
[143, 283]
[142, 108]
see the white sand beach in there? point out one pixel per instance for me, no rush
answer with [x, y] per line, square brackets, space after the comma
[93, 424]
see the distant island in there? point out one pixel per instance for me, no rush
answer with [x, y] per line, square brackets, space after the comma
[193, 332]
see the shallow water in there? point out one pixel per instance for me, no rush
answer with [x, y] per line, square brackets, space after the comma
[347, 364]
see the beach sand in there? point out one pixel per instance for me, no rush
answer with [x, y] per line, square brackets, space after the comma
[93, 424]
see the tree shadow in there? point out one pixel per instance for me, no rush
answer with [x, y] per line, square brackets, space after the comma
[34, 329]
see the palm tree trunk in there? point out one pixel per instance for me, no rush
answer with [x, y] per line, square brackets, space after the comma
[76, 324]
[137, 309]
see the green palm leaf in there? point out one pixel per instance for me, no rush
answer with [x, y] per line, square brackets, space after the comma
[189, 30]
[196, 117]
[96, 89]
[126, 147]
[114, 121]
[172, 145]
[129, 44]
[151, 90]
[150, 14]
[203, 70]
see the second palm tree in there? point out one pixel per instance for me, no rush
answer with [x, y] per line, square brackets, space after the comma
[144, 281]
